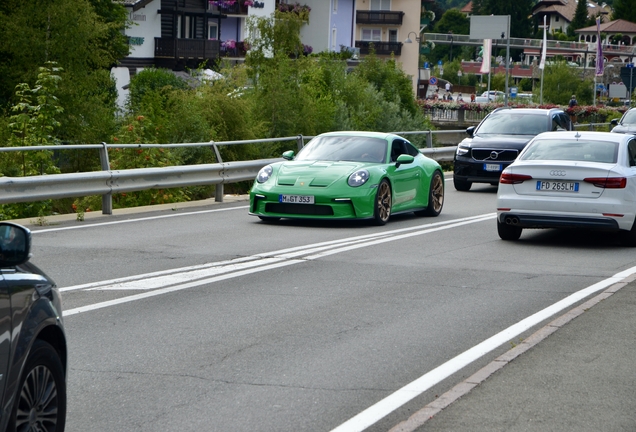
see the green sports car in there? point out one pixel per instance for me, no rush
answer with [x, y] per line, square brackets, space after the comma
[349, 175]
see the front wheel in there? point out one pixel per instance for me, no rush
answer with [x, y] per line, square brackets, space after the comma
[383, 202]
[462, 185]
[435, 197]
[508, 232]
[41, 401]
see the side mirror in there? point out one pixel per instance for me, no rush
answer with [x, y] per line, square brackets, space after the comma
[404, 159]
[470, 131]
[289, 155]
[15, 244]
[614, 122]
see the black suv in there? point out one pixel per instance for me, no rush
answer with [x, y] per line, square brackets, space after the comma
[497, 140]
[32, 340]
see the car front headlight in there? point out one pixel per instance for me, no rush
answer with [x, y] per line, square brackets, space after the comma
[462, 150]
[358, 178]
[264, 174]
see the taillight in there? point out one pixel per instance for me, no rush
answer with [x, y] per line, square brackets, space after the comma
[607, 182]
[508, 178]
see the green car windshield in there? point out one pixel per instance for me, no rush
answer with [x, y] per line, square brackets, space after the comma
[344, 148]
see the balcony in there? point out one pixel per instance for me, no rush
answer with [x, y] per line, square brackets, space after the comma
[187, 48]
[379, 17]
[237, 8]
[381, 48]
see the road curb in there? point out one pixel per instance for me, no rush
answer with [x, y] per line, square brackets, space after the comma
[426, 413]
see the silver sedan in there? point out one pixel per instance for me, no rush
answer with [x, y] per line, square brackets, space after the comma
[571, 180]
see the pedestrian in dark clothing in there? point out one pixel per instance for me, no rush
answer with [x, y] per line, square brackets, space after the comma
[571, 106]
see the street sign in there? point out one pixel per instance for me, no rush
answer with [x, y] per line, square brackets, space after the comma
[513, 92]
[628, 77]
[432, 81]
[439, 62]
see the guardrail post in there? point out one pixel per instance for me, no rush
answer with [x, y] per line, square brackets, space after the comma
[300, 142]
[218, 191]
[429, 139]
[107, 199]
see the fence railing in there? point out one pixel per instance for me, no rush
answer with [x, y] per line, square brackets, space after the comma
[107, 182]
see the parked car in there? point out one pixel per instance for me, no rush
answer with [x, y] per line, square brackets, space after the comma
[626, 124]
[349, 175]
[571, 180]
[498, 139]
[33, 356]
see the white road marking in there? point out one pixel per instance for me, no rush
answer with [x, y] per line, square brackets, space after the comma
[180, 279]
[171, 215]
[392, 402]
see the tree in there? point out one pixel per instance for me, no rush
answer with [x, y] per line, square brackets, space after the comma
[519, 11]
[558, 85]
[624, 9]
[580, 18]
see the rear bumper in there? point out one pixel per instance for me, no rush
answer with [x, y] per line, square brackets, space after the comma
[523, 220]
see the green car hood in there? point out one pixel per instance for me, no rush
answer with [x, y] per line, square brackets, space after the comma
[315, 173]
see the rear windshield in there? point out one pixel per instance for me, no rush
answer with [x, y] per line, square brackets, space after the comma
[572, 150]
[513, 123]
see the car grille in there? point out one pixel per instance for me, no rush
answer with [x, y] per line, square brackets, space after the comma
[494, 155]
[299, 209]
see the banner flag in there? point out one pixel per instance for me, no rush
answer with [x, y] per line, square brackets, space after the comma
[485, 63]
[599, 49]
[544, 45]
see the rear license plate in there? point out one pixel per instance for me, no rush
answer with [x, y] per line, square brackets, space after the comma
[492, 167]
[296, 199]
[558, 186]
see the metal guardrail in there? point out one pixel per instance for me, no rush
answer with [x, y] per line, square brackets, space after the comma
[106, 182]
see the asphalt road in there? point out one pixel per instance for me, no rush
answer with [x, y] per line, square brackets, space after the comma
[205, 318]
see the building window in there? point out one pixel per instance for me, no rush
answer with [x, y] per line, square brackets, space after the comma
[334, 33]
[372, 35]
[393, 35]
[380, 4]
[213, 31]
[557, 18]
[335, 6]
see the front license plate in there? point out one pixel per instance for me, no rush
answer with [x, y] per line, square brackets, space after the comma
[558, 186]
[296, 199]
[492, 167]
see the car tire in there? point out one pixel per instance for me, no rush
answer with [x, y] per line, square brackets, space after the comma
[628, 238]
[382, 204]
[462, 185]
[435, 196]
[508, 232]
[269, 219]
[41, 400]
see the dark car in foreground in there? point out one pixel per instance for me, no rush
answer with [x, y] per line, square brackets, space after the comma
[33, 354]
[626, 124]
[495, 143]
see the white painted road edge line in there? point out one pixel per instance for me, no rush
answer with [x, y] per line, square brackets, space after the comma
[137, 220]
[395, 400]
[424, 414]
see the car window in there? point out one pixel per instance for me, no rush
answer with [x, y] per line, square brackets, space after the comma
[631, 151]
[513, 123]
[344, 148]
[564, 121]
[411, 150]
[629, 117]
[399, 147]
[572, 150]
